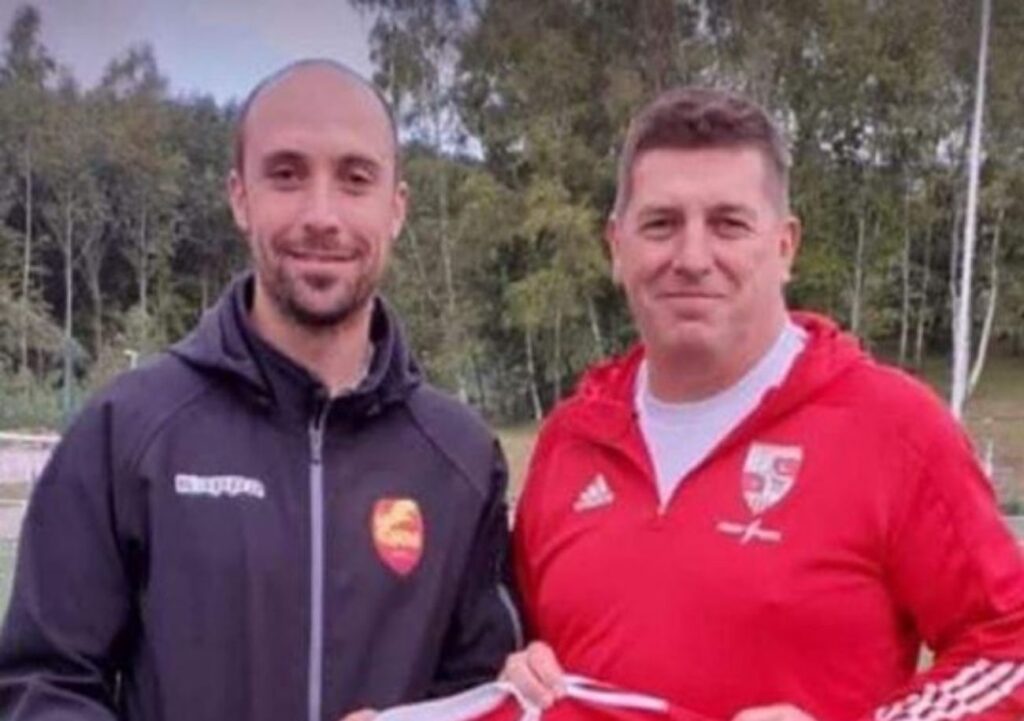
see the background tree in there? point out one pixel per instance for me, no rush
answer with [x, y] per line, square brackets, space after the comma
[115, 234]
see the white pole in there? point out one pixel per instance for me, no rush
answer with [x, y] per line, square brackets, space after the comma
[962, 336]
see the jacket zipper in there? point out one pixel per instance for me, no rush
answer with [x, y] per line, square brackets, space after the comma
[505, 597]
[316, 576]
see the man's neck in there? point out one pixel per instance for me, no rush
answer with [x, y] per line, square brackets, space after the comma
[701, 374]
[336, 355]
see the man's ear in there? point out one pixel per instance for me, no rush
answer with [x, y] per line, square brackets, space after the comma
[400, 206]
[611, 237]
[789, 243]
[238, 201]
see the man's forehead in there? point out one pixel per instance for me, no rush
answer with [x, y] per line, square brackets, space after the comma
[721, 174]
[741, 160]
[319, 95]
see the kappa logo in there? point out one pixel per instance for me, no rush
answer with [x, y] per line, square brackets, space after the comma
[769, 473]
[398, 533]
[596, 494]
[188, 484]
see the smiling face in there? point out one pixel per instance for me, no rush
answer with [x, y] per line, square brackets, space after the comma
[703, 250]
[317, 196]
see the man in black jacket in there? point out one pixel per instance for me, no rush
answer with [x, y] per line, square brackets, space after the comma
[277, 519]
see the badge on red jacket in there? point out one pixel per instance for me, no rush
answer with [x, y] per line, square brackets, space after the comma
[769, 472]
[398, 533]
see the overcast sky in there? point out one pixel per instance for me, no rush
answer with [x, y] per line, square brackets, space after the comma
[221, 47]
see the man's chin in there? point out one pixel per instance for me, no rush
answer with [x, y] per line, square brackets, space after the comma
[320, 316]
[688, 338]
[323, 308]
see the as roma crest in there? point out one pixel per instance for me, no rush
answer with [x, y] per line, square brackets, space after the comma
[397, 529]
[769, 473]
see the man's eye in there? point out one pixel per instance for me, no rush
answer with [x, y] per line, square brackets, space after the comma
[731, 226]
[358, 179]
[284, 175]
[657, 227]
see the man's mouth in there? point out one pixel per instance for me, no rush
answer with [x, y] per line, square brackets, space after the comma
[689, 295]
[307, 256]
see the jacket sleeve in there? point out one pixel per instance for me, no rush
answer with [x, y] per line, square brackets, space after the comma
[486, 628]
[956, 568]
[62, 638]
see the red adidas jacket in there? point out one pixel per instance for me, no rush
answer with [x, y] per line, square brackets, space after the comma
[837, 528]
[585, 700]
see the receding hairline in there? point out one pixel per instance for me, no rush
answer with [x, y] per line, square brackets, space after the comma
[698, 118]
[278, 76]
[776, 185]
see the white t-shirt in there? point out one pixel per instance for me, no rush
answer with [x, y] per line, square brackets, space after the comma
[681, 435]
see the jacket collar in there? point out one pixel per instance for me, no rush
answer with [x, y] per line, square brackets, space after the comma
[225, 344]
[602, 409]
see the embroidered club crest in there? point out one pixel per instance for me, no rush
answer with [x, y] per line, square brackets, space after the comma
[768, 475]
[398, 533]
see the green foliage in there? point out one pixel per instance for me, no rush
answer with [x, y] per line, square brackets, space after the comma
[28, 401]
[114, 232]
[512, 113]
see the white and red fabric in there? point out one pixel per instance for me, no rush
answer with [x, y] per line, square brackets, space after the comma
[585, 700]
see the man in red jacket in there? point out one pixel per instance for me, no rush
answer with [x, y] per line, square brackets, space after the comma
[746, 515]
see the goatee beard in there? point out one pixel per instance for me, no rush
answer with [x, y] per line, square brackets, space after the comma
[287, 299]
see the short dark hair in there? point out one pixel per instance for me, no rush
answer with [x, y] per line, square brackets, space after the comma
[238, 139]
[691, 118]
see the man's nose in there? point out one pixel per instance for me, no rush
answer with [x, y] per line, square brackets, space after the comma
[691, 251]
[322, 211]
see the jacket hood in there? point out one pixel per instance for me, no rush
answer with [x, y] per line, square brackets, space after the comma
[603, 403]
[225, 344]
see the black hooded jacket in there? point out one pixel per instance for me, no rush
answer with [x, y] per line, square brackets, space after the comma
[217, 539]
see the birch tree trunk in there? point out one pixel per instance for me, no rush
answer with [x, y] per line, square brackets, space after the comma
[990, 311]
[858, 276]
[452, 329]
[558, 355]
[954, 267]
[96, 296]
[905, 273]
[143, 270]
[26, 268]
[531, 371]
[68, 301]
[92, 252]
[922, 306]
[595, 327]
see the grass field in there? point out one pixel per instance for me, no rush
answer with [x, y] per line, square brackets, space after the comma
[995, 413]
[14, 492]
[7, 549]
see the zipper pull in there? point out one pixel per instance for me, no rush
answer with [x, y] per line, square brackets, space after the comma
[316, 426]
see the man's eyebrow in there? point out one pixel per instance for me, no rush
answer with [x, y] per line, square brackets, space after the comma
[734, 209]
[361, 160]
[280, 157]
[346, 160]
[658, 209]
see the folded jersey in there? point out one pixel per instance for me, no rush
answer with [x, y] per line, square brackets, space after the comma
[584, 700]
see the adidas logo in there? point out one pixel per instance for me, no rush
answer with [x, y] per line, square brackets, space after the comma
[596, 494]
